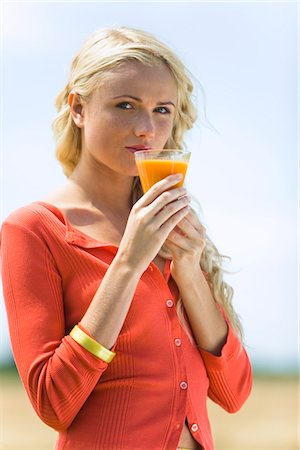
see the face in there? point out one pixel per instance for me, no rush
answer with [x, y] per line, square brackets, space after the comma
[133, 109]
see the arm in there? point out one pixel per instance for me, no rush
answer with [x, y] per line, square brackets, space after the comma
[230, 374]
[208, 325]
[186, 244]
[56, 371]
[227, 364]
[58, 374]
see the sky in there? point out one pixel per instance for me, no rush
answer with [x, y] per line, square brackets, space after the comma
[243, 57]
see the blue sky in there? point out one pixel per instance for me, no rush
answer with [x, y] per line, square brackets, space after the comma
[244, 60]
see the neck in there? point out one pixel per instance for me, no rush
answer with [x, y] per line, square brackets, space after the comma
[101, 188]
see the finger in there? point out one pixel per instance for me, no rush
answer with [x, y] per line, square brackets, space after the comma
[159, 187]
[165, 213]
[182, 242]
[171, 247]
[176, 240]
[179, 246]
[191, 228]
[194, 220]
[166, 198]
[171, 223]
[178, 230]
[185, 228]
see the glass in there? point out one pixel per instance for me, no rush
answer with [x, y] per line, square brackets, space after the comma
[154, 165]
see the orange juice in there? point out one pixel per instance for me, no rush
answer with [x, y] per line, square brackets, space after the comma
[153, 170]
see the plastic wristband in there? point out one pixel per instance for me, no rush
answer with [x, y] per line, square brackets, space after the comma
[91, 345]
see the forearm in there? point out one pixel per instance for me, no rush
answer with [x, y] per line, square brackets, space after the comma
[208, 325]
[107, 312]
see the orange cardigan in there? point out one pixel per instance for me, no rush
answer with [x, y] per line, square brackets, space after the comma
[140, 401]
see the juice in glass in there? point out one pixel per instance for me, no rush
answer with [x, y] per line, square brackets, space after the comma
[154, 165]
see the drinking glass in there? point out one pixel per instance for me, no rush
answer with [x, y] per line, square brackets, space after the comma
[154, 165]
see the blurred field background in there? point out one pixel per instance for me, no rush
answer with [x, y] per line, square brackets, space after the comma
[268, 421]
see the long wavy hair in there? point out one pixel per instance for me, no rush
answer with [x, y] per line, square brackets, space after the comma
[104, 51]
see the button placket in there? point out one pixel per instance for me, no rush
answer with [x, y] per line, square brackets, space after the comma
[175, 330]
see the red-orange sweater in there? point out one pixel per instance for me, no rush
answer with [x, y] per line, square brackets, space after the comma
[139, 401]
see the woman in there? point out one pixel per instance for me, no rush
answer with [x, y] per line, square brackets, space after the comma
[120, 321]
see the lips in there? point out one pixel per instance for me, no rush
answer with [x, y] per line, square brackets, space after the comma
[136, 148]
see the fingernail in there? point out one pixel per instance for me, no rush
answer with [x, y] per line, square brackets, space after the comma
[176, 176]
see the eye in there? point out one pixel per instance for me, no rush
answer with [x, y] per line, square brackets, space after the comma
[124, 105]
[162, 110]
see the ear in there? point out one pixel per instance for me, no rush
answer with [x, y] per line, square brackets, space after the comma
[76, 108]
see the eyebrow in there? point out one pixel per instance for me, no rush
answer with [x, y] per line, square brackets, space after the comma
[141, 101]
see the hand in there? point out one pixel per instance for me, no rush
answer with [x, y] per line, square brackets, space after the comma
[151, 220]
[184, 245]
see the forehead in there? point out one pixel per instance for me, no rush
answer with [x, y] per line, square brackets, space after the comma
[134, 77]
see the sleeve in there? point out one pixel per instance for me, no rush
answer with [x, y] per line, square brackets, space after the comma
[58, 374]
[230, 374]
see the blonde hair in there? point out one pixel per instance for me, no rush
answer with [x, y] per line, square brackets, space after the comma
[103, 52]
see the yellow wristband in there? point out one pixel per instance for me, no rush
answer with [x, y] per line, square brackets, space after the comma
[91, 345]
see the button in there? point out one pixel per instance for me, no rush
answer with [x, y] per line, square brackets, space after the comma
[169, 303]
[194, 427]
[177, 342]
[183, 385]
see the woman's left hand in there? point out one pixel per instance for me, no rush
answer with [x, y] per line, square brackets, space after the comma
[184, 246]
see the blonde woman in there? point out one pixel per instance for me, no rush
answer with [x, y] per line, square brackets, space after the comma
[121, 324]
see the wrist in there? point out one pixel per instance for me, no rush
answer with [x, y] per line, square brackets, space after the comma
[187, 270]
[124, 263]
[92, 346]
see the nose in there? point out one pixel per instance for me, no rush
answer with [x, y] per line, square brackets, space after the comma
[144, 126]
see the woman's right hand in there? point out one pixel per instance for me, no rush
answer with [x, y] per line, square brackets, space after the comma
[151, 220]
